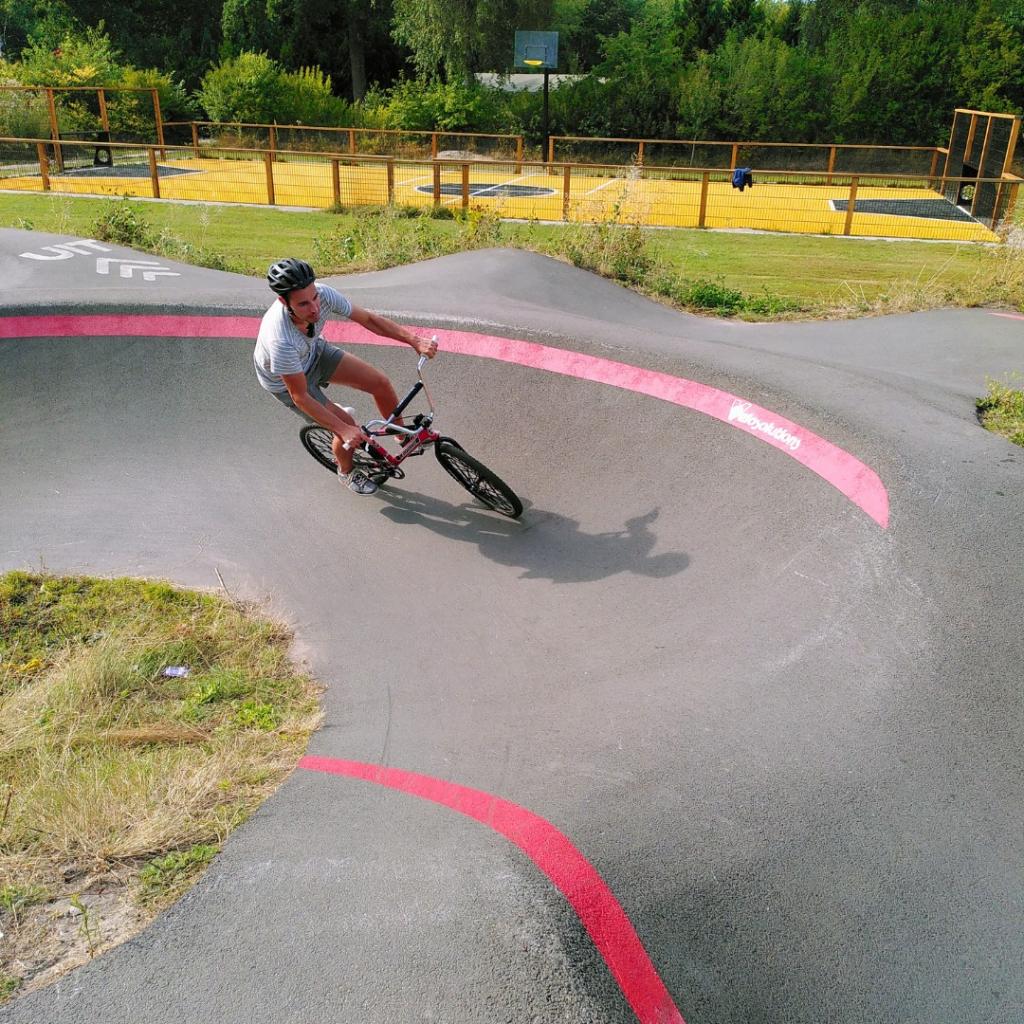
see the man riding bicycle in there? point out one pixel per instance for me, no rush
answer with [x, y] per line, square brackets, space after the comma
[294, 363]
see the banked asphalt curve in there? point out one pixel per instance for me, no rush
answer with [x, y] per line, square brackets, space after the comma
[727, 729]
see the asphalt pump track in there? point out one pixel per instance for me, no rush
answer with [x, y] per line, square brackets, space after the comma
[728, 728]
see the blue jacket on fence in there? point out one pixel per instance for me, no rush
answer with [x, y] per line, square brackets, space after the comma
[742, 177]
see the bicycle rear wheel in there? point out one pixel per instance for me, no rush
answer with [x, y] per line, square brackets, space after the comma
[317, 441]
[484, 485]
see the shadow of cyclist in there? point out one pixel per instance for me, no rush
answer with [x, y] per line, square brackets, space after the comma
[546, 546]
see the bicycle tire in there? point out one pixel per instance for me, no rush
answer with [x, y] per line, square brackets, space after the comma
[317, 441]
[486, 486]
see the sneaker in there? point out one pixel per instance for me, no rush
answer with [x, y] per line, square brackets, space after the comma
[357, 481]
[403, 440]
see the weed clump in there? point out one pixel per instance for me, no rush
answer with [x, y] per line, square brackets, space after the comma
[122, 222]
[1002, 409]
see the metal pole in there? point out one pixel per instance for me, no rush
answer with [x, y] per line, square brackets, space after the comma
[546, 127]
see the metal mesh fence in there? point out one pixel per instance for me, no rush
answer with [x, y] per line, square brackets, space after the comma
[369, 141]
[998, 134]
[765, 156]
[788, 201]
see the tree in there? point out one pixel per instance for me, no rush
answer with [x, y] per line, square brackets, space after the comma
[643, 67]
[991, 60]
[455, 38]
[585, 24]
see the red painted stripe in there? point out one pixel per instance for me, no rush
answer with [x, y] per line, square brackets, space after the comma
[843, 471]
[600, 913]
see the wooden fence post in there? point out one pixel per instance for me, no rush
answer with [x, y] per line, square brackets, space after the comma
[195, 139]
[336, 181]
[44, 165]
[433, 145]
[831, 163]
[981, 165]
[437, 183]
[101, 95]
[704, 179]
[851, 204]
[351, 140]
[734, 159]
[268, 162]
[273, 142]
[519, 154]
[154, 175]
[465, 186]
[159, 123]
[391, 180]
[566, 186]
[58, 153]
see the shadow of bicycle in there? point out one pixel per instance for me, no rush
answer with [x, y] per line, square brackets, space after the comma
[545, 545]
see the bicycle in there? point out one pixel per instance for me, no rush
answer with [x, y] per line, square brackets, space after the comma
[380, 465]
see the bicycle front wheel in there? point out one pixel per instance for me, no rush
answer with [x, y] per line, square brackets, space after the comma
[484, 485]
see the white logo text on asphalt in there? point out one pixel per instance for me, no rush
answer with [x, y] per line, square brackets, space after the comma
[65, 250]
[151, 270]
[740, 411]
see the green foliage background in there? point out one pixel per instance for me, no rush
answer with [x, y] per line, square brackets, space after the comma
[874, 71]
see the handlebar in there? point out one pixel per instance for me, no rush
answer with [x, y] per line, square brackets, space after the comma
[420, 363]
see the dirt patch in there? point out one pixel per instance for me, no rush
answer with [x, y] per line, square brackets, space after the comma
[41, 943]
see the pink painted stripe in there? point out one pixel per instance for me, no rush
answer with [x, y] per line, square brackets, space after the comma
[1009, 316]
[843, 471]
[572, 874]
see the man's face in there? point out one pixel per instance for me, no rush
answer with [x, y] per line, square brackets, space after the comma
[304, 304]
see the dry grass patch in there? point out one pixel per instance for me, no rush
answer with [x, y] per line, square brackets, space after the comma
[118, 781]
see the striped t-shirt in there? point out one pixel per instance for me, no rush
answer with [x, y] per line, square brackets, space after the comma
[281, 347]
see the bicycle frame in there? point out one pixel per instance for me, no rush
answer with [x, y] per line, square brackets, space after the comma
[418, 437]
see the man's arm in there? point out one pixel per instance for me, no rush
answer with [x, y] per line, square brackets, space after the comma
[389, 329]
[328, 415]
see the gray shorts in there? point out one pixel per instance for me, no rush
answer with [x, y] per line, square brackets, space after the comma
[325, 362]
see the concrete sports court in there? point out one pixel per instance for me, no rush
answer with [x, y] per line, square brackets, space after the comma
[539, 192]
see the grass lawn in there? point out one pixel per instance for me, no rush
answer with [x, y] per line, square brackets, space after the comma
[813, 276]
[139, 724]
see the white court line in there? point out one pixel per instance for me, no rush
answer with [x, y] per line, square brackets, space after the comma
[409, 181]
[452, 199]
[512, 181]
[613, 181]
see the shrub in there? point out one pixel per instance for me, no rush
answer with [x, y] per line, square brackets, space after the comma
[23, 115]
[253, 88]
[452, 106]
[121, 223]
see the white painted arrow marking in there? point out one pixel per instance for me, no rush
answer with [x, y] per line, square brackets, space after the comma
[151, 269]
